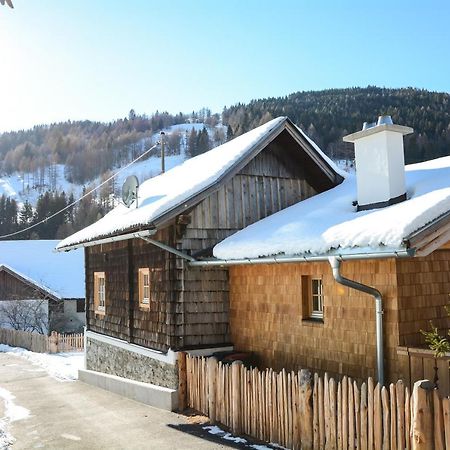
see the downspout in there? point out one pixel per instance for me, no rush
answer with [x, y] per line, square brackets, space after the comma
[336, 265]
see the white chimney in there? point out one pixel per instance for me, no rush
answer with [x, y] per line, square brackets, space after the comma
[380, 163]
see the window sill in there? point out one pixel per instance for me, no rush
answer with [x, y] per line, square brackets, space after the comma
[312, 321]
[99, 312]
[144, 307]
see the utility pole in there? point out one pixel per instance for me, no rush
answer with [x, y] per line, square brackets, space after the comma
[163, 163]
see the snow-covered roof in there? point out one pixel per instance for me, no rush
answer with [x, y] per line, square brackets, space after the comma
[60, 274]
[160, 195]
[328, 221]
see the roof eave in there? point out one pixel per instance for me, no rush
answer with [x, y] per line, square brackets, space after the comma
[431, 236]
[137, 233]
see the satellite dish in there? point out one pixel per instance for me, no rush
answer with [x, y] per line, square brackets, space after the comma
[130, 190]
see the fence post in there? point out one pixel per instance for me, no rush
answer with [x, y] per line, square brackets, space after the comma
[53, 342]
[446, 419]
[438, 422]
[306, 409]
[236, 397]
[212, 374]
[422, 415]
[182, 380]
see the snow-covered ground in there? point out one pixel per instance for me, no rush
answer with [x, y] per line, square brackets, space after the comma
[12, 413]
[61, 366]
[216, 431]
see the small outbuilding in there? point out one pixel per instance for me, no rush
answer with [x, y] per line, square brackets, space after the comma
[41, 290]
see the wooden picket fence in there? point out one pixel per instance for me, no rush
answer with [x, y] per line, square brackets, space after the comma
[41, 343]
[65, 342]
[301, 411]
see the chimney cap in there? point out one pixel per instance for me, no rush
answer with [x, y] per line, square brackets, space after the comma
[384, 123]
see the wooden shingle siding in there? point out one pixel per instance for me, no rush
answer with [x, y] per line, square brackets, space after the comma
[154, 327]
[266, 313]
[113, 260]
[266, 317]
[424, 288]
[124, 319]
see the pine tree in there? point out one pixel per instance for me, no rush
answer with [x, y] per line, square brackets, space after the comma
[26, 214]
[202, 142]
[230, 134]
[192, 143]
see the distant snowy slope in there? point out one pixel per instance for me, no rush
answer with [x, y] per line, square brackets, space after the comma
[21, 187]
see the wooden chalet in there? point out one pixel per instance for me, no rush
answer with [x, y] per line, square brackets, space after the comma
[145, 302]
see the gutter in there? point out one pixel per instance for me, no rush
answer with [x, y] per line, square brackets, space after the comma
[296, 259]
[121, 237]
[336, 266]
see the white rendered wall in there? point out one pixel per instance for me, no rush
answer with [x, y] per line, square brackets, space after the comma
[380, 167]
[73, 321]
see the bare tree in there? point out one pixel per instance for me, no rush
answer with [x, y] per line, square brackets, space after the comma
[25, 315]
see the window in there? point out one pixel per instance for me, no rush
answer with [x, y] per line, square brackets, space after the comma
[99, 292]
[312, 297]
[316, 298]
[81, 305]
[144, 288]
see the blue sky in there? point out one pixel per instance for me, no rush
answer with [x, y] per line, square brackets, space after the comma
[84, 59]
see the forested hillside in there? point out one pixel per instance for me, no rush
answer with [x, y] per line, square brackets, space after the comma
[89, 149]
[328, 115]
[43, 169]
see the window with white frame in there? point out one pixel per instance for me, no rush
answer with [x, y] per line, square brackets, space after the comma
[316, 298]
[312, 297]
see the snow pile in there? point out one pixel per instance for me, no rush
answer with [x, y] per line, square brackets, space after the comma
[12, 413]
[160, 194]
[61, 274]
[216, 431]
[60, 366]
[329, 221]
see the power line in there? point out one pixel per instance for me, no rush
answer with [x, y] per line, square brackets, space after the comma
[46, 219]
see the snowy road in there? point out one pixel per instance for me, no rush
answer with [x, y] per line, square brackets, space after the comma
[54, 414]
